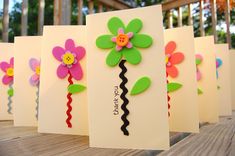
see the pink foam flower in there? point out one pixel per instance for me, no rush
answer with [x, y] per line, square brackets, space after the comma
[8, 69]
[35, 66]
[123, 40]
[69, 56]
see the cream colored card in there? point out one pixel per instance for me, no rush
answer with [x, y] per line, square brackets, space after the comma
[115, 63]
[207, 84]
[63, 63]
[6, 76]
[26, 80]
[223, 79]
[232, 74]
[182, 84]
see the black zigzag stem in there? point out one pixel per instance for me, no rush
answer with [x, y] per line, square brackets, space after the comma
[123, 97]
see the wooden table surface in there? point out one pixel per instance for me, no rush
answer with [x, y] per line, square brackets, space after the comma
[213, 139]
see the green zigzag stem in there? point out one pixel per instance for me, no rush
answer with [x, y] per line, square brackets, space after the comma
[9, 99]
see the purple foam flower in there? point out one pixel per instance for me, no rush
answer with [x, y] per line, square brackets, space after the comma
[35, 66]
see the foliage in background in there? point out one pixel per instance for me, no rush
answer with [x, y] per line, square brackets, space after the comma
[15, 17]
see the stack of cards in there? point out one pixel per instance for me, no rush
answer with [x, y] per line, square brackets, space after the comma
[121, 80]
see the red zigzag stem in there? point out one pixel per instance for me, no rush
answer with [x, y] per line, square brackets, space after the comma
[168, 98]
[68, 112]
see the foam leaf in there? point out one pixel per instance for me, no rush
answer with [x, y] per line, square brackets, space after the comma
[171, 87]
[141, 85]
[76, 88]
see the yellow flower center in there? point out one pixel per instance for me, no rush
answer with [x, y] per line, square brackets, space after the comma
[122, 40]
[166, 59]
[37, 70]
[68, 58]
[10, 72]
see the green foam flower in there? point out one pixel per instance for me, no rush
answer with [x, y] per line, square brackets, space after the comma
[124, 41]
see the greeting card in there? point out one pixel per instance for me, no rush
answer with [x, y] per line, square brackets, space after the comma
[6, 76]
[181, 81]
[232, 76]
[127, 80]
[63, 98]
[206, 78]
[26, 80]
[223, 79]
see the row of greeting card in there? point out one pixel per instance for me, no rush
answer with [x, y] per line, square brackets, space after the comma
[121, 79]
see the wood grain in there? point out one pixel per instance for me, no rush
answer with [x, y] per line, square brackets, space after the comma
[214, 139]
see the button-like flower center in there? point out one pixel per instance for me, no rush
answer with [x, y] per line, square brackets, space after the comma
[10, 72]
[68, 58]
[122, 40]
[37, 70]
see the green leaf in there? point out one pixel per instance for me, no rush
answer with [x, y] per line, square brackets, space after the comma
[113, 58]
[76, 88]
[198, 61]
[132, 55]
[199, 91]
[142, 40]
[114, 24]
[141, 85]
[134, 26]
[105, 42]
[171, 87]
[10, 92]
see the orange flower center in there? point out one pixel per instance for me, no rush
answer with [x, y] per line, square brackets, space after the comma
[10, 72]
[122, 40]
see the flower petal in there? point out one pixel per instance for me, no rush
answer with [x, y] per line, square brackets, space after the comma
[132, 55]
[172, 71]
[34, 80]
[4, 66]
[170, 47]
[118, 48]
[12, 61]
[121, 31]
[58, 52]
[62, 71]
[34, 63]
[76, 71]
[176, 58]
[142, 40]
[113, 58]
[114, 24]
[69, 45]
[134, 26]
[105, 42]
[129, 45]
[7, 79]
[80, 52]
